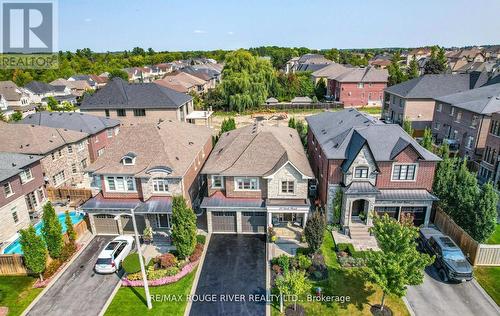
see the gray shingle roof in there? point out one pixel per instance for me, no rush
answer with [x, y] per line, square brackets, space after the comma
[12, 163]
[407, 195]
[74, 121]
[218, 200]
[342, 134]
[431, 86]
[118, 94]
[361, 187]
[156, 204]
[484, 100]
[368, 74]
[39, 87]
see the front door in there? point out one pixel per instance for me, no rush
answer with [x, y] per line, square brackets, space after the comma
[358, 207]
[162, 220]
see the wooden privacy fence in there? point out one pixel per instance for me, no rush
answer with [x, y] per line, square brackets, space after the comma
[479, 254]
[14, 264]
[71, 194]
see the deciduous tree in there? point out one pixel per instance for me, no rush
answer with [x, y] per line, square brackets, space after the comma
[70, 230]
[52, 231]
[34, 251]
[407, 126]
[293, 283]
[427, 139]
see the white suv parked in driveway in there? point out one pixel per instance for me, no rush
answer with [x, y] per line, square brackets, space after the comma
[111, 257]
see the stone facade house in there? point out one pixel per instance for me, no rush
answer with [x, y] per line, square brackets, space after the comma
[14, 98]
[101, 130]
[145, 167]
[377, 166]
[463, 120]
[257, 178]
[415, 99]
[65, 153]
[22, 192]
[138, 103]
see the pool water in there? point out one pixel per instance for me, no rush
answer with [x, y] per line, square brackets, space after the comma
[15, 247]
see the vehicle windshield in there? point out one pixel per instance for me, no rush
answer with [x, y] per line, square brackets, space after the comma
[455, 255]
[103, 261]
[112, 245]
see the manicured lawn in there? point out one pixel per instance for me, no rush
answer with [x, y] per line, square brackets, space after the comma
[132, 301]
[495, 238]
[489, 278]
[17, 292]
[345, 282]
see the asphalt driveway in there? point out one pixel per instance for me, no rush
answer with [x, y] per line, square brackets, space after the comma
[234, 265]
[434, 297]
[79, 290]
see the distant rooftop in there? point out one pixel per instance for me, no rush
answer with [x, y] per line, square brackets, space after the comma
[13, 163]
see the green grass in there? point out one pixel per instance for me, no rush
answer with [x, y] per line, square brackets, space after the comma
[17, 292]
[495, 238]
[132, 301]
[345, 282]
[489, 278]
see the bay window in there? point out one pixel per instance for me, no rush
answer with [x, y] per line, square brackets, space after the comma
[120, 184]
[247, 183]
[404, 172]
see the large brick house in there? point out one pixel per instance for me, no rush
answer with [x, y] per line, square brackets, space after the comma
[463, 119]
[101, 130]
[22, 192]
[377, 166]
[357, 87]
[138, 103]
[145, 166]
[65, 152]
[257, 177]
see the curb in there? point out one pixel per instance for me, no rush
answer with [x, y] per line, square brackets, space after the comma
[110, 298]
[486, 295]
[408, 306]
[268, 278]
[197, 275]
[54, 280]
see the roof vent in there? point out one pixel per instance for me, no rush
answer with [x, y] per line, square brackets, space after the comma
[176, 158]
[336, 145]
[13, 164]
[341, 121]
[190, 143]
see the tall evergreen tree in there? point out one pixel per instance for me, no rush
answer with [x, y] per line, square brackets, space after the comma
[463, 196]
[407, 126]
[427, 139]
[444, 178]
[396, 74]
[183, 227]
[34, 251]
[320, 89]
[52, 231]
[485, 214]
[70, 230]
[413, 69]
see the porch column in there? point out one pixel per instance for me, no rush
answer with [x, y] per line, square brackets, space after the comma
[269, 219]
[427, 215]
[305, 220]
[238, 222]
[209, 221]
[146, 220]
[119, 223]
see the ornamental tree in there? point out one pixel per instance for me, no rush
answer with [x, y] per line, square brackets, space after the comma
[183, 227]
[313, 232]
[52, 231]
[484, 218]
[70, 230]
[34, 250]
[294, 283]
[398, 263]
[427, 139]
[407, 126]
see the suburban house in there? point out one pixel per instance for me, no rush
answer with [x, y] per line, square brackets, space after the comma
[184, 82]
[257, 178]
[21, 182]
[41, 90]
[332, 70]
[358, 87]
[88, 78]
[75, 87]
[14, 99]
[162, 161]
[489, 169]
[415, 99]
[65, 152]
[463, 120]
[138, 103]
[101, 130]
[378, 167]
[307, 62]
[418, 54]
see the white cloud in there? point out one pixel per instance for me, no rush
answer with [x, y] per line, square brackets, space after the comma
[199, 31]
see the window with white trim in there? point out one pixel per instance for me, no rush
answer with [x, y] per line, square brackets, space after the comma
[83, 163]
[439, 107]
[7, 189]
[15, 216]
[26, 175]
[81, 145]
[59, 178]
[470, 142]
[128, 161]
[109, 132]
[217, 182]
[437, 126]
[287, 187]
[404, 172]
[160, 185]
[70, 149]
[100, 152]
[247, 183]
[73, 168]
[120, 184]
[361, 172]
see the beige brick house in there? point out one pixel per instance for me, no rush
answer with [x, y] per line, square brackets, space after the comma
[257, 177]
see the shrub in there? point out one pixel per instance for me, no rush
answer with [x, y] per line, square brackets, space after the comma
[277, 269]
[283, 261]
[131, 263]
[345, 247]
[68, 250]
[196, 255]
[314, 231]
[168, 260]
[201, 239]
[52, 268]
[161, 273]
[347, 262]
[304, 262]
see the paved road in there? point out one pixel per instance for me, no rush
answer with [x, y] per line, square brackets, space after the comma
[434, 297]
[79, 290]
[234, 264]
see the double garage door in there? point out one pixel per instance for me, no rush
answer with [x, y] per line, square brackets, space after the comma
[251, 222]
[105, 224]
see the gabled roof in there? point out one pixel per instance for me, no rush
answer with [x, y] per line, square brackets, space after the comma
[342, 134]
[170, 144]
[38, 87]
[431, 86]
[331, 70]
[119, 94]
[257, 150]
[484, 100]
[13, 163]
[34, 139]
[75, 121]
[368, 74]
[10, 91]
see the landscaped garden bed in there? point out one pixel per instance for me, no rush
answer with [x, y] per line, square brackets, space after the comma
[348, 257]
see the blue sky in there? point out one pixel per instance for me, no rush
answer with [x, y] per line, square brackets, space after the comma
[110, 25]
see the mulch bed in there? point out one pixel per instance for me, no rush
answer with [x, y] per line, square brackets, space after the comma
[289, 311]
[375, 310]
[45, 282]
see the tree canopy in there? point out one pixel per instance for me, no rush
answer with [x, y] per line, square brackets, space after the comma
[34, 251]
[52, 231]
[183, 227]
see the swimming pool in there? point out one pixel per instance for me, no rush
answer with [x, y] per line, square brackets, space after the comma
[15, 246]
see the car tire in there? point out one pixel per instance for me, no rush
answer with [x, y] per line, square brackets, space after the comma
[442, 275]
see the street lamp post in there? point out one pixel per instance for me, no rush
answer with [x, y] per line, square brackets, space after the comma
[141, 260]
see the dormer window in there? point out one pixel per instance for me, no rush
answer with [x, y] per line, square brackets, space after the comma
[361, 172]
[129, 159]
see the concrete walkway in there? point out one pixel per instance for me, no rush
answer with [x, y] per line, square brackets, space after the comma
[359, 244]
